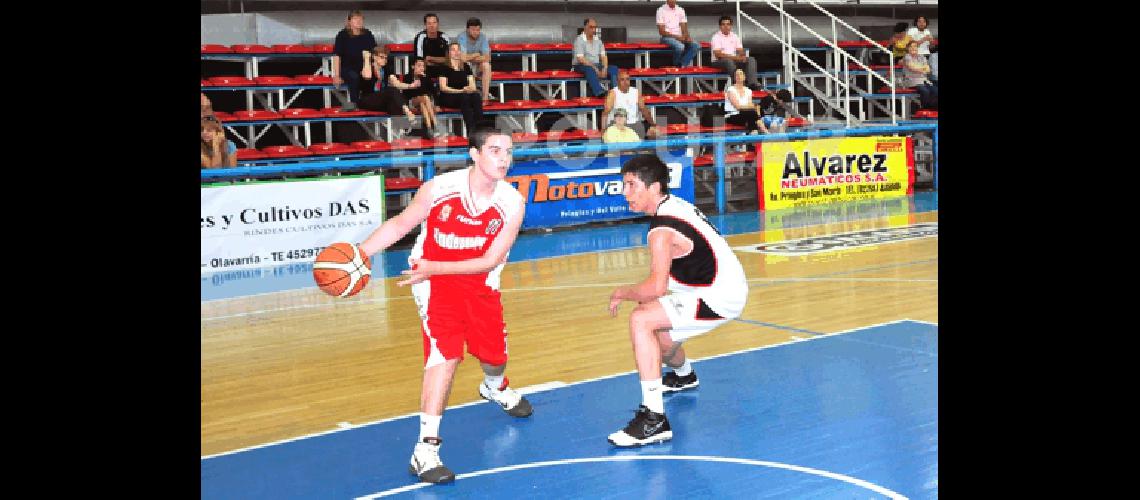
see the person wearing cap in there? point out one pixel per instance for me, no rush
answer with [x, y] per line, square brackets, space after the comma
[618, 131]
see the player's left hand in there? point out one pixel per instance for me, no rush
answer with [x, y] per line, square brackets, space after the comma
[420, 271]
[615, 302]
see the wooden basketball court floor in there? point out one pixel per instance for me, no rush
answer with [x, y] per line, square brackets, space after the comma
[281, 361]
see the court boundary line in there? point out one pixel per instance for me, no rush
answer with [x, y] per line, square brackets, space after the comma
[629, 458]
[570, 254]
[794, 340]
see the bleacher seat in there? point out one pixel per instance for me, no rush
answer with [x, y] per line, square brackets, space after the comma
[231, 81]
[652, 46]
[323, 48]
[332, 148]
[561, 46]
[451, 141]
[506, 47]
[256, 115]
[337, 112]
[504, 75]
[400, 47]
[213, 48]
[401, 183]
[251, 49]
[926, 114]
[300, 113]
[709, 159]
[206, 83]
[797, 121]
[371, 146]
[274, 80]
[412, 143]
[250, 154]
[292, 48]
[898, 90]
[289, 151]
[621, 46]
[313, 80]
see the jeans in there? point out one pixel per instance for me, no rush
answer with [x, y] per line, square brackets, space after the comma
[729, 66]
[927, 95]
[689, 49]
[592, 78]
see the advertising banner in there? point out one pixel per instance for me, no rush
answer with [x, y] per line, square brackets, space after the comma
[815, 171]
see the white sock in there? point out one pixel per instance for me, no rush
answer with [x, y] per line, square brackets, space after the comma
[429, 426]
[493, 382]
[685, 369]
[651, 395]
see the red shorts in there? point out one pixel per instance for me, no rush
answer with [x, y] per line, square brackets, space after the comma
[451, 319]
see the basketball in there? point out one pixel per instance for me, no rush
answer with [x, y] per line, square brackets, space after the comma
[342, 270]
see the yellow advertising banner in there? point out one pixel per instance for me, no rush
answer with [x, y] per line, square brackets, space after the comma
[815, 171]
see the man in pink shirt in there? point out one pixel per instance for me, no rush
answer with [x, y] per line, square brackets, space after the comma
[673, 27]
[727, 52]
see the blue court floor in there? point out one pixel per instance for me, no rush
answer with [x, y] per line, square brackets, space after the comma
[845, 415]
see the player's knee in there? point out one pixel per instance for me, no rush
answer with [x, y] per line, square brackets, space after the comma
[641, 320]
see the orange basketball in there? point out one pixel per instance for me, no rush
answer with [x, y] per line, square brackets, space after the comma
[342, 270]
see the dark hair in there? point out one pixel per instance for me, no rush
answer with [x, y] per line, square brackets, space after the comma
[482, 133]
[586, 21]
[723, 19]
[649, 168]
[900, 27]
[474, 21]
[923, 18]
[912, 42]
[430, 14]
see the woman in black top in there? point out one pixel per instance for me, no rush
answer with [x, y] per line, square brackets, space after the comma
[418, 90]
[381, 90]
[348, 59]
[457, 89]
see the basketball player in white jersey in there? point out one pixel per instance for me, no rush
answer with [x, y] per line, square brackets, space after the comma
[469, 219]
[690, 258]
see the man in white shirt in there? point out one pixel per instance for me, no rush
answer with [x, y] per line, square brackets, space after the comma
[673, 26]
[727, 52]
[922, 35]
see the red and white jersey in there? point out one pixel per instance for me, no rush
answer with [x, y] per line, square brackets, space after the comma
[455, 231]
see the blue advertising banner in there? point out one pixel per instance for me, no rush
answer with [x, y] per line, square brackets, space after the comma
[570, 191]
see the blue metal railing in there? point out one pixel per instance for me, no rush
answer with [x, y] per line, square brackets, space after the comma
[428, 161]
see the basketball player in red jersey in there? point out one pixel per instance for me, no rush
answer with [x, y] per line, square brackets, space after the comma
[469, 219]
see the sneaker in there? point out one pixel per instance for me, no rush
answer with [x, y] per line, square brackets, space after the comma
[672, 382]
[512, 402]
[351, 106]
[426, 464]
[645, 428]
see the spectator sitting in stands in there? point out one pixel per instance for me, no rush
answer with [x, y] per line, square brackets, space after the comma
[727, 51]
[590, 58]
[897, 43]
[920, 34]
[628, 98]
[477, 54]
[673, 26]
[618, 131]
[207, 108]
[380, 93]
[431, 46]
[419, 92]
[217, 152]
[738, 106]
[457, 89]
[773, 108]
[348, 56]
[915, 71]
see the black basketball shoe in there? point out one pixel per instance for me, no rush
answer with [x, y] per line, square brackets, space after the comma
[426, 464]
[672, 382]
[645, 428]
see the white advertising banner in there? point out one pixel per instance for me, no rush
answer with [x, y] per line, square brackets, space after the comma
[273, 223]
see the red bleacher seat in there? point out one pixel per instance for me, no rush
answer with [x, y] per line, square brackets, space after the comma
[313, 80]
[504, 75]
[496, 106]
[652, 45]
[572, 135]
[400, 48]
[507, 47]
[300, 113]
[699, 69]
[885, 66]
[332, 148]
[370, 146]
[255, 115]
[335, 112]
[206, 83]
[251, 49]
[589, 101]
[646, 71]
[223, 116]
[898, 90]
[709, 96]
[556, 103]
[213, 48]
[451, 141]
[289, 151]
[797, 121]
[274, 80]
[706, 45]
[536, 46]
[682, 128]
[655, 99]
[231, 81]
[292, 48]
[926, 113]
[670, 69]
[323, 48]
[412, 143]
[561, 46]
[620, 46]
[250, 154]
[562, 73]
[722, 128]
[533, 75]
[524, 137]
[524, 104]
[398, 183]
